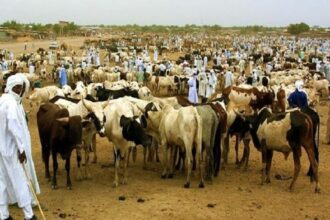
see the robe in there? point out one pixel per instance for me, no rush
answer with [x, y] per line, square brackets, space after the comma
[192, 96]
[14, 134]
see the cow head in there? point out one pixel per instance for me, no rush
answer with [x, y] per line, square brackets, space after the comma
[97, 108]
[145, 93]
[148, 119]
[133, 131]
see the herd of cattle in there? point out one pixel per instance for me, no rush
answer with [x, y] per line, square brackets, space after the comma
[127, 113]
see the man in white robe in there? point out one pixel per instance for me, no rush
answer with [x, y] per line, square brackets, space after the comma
[202, 79]
[14, 150]
[192, 95]
[229, 79]
[212, 83]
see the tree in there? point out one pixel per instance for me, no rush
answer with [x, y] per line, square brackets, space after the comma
[296, 29]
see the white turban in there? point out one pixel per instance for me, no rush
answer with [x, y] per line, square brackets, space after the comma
[299, 84]
[13, 81]
[26, 81]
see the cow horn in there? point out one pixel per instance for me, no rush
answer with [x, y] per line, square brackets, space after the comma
[141, 109]
[64, 119]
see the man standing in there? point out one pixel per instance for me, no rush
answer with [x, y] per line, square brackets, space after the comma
[202, 79]
[212, 83]
[298, 98]
[229, 79]
[193, 97]
[63, 77]
[13, 133]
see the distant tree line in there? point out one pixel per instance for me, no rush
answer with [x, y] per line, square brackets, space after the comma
[70, 28]
[56, 28]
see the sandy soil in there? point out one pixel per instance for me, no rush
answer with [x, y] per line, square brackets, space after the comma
[235, 194]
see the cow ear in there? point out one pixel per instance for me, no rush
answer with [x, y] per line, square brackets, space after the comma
[143, 121]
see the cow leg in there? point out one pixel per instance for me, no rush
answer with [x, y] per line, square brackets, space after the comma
[46, 155]
[225, 151]
[177, 158]
[238, 140]
[269, 157]
[125, 161]
[201, 167]
[134, 153]
[129, 154]
[87, 173]
[189, 167]
[157, 153]
[117, 160]
[79, 175]
[94, 148]
[171, 163]
[165, 161]
[314, 166]
[296, 159]
[217, 155]
[264, 160]
[55, 166]
[68, 179]
[145, 157]
[194, 158]
[246, 154]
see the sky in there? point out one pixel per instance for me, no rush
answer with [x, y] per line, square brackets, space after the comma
[169, 12]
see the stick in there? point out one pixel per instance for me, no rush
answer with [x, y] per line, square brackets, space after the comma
[33, 193]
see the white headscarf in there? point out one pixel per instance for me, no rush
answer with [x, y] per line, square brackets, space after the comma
[299, 85]
[13, 81]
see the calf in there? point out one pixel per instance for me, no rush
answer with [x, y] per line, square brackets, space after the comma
[59, 134]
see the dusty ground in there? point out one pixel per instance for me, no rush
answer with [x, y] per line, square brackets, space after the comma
[235, 194]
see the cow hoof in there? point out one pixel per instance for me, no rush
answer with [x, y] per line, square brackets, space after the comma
[317, 190]
[186, 185]
[201, 185]
[267, 181]
[170, 176]
[69, 187]
[54, 186]
[115, 184]
[163, 176]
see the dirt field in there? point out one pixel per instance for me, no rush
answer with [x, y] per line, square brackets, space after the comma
[235, 194]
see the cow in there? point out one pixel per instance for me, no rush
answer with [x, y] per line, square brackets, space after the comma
[86, 109]
[106, 94]
[59, 134]
[182, 127]
[283, 132]
[43, 95]
[144, 107]
[124, 130]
